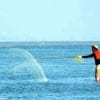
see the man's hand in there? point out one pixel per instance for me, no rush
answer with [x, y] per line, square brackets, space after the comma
[78, 58]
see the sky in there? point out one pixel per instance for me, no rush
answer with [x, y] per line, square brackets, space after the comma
[49, 20]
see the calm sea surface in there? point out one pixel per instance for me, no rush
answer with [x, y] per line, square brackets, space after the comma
[21, 69]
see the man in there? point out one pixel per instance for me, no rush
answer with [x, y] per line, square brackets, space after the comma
[96, 55]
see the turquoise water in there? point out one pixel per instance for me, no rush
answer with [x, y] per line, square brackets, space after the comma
[68, 79]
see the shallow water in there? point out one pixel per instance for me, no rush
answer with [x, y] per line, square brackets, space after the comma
[68, 79]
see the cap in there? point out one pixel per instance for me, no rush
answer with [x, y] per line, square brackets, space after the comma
[95, 46]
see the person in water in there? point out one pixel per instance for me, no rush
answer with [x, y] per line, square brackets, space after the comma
[96, 55]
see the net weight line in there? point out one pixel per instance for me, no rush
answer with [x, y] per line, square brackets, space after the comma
[59, 57]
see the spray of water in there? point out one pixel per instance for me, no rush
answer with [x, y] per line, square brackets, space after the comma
[29, 63]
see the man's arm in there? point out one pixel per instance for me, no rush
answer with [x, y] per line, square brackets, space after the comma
[88, 56]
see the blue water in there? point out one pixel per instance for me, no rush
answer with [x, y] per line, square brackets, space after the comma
[68, 79]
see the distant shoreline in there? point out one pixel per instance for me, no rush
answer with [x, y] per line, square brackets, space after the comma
[33, 43]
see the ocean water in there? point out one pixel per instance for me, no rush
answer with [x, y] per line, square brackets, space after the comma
[63, 77]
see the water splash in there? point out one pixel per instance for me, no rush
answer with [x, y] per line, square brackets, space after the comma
[29, 63]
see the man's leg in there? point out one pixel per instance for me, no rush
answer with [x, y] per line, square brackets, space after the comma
[98, 73]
